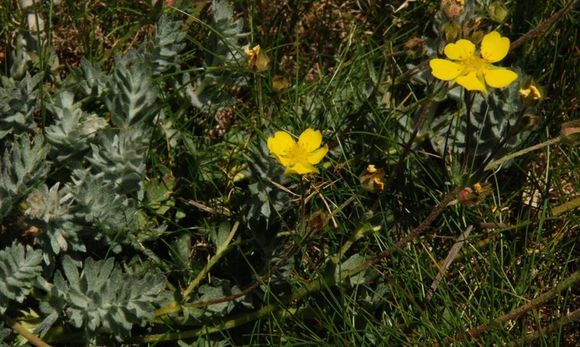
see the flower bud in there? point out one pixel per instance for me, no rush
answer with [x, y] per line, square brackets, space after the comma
[280, 83]
[451, 31]
[415, 47]
[371, 179]
[452, 8]
[497, 11]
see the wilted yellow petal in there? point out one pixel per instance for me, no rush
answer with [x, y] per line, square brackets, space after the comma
[531, 93]
[459, 50]
[310, 139]
[499, 77]
[262, 62]
[316, 156]
[444, 69]
[471, 82]
[494, 47]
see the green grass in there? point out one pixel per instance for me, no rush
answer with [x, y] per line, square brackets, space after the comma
[348, 76]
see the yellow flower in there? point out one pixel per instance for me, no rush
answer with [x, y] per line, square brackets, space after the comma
[475, 71]
[298, 157]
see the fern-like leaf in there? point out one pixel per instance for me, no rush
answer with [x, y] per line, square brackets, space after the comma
[132, 96]
[98, 205]
[103, 298]
[50, 211]
[17, 104]
[22, 165]
[19, 269]
[167, 44]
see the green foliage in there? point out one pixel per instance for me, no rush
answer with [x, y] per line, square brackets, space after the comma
[266, 202]
[224, 53]
[166, 46]
[19, 270]
[52, 211]
[143, 228]
[496, 125]
[101, 298]
[131, 98]
[23, 165]
[18, 100]
[73, 130]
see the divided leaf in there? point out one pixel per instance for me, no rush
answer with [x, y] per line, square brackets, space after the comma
[22, 165]
[102, 298]
[19, 269]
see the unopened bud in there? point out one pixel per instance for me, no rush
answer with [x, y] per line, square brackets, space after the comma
[497, 11]
[452, 8]
[451, 31]
[415, 47]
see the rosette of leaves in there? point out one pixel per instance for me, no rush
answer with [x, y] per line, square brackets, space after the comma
[102, 299]
[19, 271]
[120, 158]
[18, 101]
[23, 164]
[50, 211]
[99, 206]
[73, 130]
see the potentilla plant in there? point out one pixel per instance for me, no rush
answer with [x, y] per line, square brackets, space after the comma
[489, 103]
[298, 157]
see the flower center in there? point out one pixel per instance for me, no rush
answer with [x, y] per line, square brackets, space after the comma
[474, 64]
[297, 154]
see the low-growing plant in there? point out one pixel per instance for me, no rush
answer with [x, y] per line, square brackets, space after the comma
[214, 182]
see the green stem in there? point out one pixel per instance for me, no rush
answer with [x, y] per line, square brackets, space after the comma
[221, 250]
[501, 161]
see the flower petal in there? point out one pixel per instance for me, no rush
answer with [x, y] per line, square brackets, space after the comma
[301, 169]
[494, 47]
[280, 144]
[499, 77]
[444, 69]
[471, 82]
[316, 156]
[459, 50]
[310, 139]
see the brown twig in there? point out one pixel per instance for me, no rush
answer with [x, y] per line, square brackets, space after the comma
[532, 304]
[542, 28]
[22, 331]
[448, 260]
[565, 320]
[436, 212]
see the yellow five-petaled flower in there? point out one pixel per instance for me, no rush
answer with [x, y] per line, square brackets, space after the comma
[475, 71]
[298, 157]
